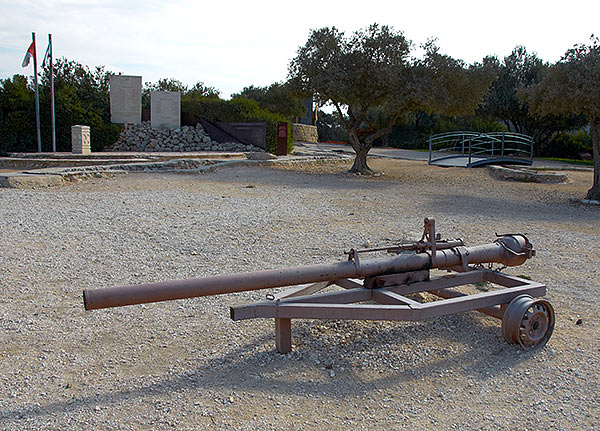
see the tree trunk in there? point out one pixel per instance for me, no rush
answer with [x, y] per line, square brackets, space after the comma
[594, 192]
[385, 139]
[360, 163]
[361, 149]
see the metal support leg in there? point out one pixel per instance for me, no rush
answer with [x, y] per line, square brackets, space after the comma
[283, 335]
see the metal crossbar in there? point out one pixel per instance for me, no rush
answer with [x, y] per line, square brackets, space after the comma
[389, 302]
[471, 149]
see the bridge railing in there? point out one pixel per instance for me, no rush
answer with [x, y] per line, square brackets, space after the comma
[481, 148]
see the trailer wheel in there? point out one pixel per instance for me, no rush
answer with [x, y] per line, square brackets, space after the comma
[528, 322]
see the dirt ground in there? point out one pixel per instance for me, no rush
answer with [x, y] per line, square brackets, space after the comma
[185, 365]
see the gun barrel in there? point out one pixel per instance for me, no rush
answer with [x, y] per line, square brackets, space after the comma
[509, 250]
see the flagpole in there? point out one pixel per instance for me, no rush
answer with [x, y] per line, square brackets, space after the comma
[52, 96]
[37, 96]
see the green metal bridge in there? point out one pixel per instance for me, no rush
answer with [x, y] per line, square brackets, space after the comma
[471, 149]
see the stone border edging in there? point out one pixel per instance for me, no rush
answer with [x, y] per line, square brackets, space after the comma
[590, 202]
[526, 175]
[57, 176]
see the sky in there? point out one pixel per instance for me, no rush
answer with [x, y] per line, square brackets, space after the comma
[234, 44]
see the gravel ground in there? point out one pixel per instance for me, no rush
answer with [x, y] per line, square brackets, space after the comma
[185, 365]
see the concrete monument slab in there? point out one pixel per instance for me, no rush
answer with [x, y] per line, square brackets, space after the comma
[125, 99]
[165, 109]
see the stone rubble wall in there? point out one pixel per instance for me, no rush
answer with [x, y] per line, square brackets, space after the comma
[304, 133]
[142, 137]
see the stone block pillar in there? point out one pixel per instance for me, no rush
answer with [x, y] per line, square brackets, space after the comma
[80, 139]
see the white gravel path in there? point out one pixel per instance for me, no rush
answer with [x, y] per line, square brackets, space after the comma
[185, 365]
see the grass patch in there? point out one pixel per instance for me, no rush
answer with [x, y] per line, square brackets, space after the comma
[420, 150]
[571, 161]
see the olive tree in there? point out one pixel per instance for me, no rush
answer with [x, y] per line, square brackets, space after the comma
[373, 70]
[571, 86]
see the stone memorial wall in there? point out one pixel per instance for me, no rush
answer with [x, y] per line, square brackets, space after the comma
[165, 109]
[125, 99]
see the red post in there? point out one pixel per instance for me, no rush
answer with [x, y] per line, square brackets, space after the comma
[282, 133]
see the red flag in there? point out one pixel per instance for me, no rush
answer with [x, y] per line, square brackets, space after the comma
[29, 55]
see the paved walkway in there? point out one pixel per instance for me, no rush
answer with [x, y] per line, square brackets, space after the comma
[395, 153]
[398, 153]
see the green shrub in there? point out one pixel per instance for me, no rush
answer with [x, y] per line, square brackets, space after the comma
[238, 109]
[277, 98]
[471, 123]
[413, 132]
[568, 145]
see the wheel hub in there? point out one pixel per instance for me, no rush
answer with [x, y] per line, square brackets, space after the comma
[528, 322]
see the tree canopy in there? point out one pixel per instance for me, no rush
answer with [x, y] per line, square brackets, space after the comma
[81, 97]
[16, 115]
[373, 69]
[521, 70]
[198, 90]
[277, 98]
[572, 86]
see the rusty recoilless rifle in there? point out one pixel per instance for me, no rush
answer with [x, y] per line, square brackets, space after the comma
[526, 321]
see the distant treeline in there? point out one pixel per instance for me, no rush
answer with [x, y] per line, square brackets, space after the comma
[82, 97]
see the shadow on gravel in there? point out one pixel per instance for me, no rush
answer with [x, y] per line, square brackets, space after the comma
[475, 350]
[271, 177]
[522, 210]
